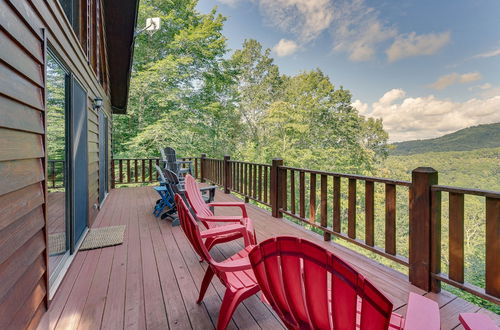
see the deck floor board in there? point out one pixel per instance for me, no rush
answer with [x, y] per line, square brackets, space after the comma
[152, 280]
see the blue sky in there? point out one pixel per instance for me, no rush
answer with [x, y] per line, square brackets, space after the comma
[427, 68]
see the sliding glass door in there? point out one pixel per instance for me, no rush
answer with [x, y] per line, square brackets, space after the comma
[67, 165]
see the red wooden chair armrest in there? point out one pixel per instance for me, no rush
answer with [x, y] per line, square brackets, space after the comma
[422, 313]
[229, 229]
[222, 218]
[222, 230]
[476, 321]
[241, 205]
[234, 265]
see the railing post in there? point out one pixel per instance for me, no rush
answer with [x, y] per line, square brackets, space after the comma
[227, 174]
[202, 167]
[420, 226]
[276, 187]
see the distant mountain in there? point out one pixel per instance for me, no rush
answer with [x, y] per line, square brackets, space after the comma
[471, 138]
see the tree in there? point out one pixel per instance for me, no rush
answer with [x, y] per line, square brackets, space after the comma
[259, 85]
[180, 92]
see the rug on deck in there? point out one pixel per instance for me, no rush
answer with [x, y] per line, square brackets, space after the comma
[101, 237]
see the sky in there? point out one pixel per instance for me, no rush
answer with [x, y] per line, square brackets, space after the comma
[427, 68]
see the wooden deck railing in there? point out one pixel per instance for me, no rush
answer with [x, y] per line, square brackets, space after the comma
[127, 171]
[56, 169]
[322, 199]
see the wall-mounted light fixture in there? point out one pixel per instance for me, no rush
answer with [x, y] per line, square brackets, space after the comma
[97, 103]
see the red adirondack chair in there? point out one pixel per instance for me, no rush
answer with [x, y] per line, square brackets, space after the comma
[209, 220]
[311, 288]
[235, 273]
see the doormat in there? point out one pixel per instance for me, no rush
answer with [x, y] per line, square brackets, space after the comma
[57, 243]
[101, 237]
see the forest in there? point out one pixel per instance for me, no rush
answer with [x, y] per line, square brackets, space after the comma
[190, 92]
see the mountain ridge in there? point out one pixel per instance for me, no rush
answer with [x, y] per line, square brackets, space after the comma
[470, 138]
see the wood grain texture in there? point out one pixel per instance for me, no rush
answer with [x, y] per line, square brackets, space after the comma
[492, 246]
[456, 237]
[369, 213]
[20, 117]
[20, 145]
[390, 219]
[164, 289]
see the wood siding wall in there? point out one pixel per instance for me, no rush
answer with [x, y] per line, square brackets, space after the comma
[24, 26]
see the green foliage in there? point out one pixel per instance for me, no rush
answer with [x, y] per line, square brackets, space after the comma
[187, 93]
[476, 137]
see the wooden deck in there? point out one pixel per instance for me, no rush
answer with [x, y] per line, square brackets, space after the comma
[152, 280]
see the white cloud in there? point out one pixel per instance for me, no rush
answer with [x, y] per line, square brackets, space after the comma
[416, 45]
[492, 53]
[304, 18]
[427, 117]
[455, 78]
[285, 47]
[355, 27]
[357, 30]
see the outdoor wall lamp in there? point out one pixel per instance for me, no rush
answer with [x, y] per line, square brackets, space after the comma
[97, 103]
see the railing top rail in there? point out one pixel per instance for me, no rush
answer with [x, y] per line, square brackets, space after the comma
[220, 160]
[350, 176]
[250, 163]
[467, 191]
[152, 158]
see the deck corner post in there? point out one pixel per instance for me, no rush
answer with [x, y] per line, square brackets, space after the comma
[202, 167]
[276, 187]
[227, 174]
[421, 220]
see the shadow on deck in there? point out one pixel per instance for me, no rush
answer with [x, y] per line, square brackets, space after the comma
[152, 280]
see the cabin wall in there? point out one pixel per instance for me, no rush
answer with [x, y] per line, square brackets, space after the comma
[26, 27]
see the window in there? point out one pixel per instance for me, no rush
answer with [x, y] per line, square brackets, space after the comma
[72, 10]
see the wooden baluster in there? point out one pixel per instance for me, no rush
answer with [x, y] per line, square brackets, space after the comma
[390, 218]
[323, 206]
[275, 188]
[203, 172]
[128, 170]
[135, 170]
[336, 204]
[312, 198]
[250, 180]
[351, 210]
[292, 191]
[241, 179]
[492, 246]
[266, 192]
[113, 179]
[196, 168]
[435, 259]
[150, 170]
[284, 190]
[260, 183]
[456, 228]
[143, 169]
[369, 213]
[255, 193]
[247, 182]
[227, 175]
[302, 198]
[120, 163]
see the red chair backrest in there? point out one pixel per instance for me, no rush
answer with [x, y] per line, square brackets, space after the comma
[310, 288]
[195, 198]
[191, 229]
